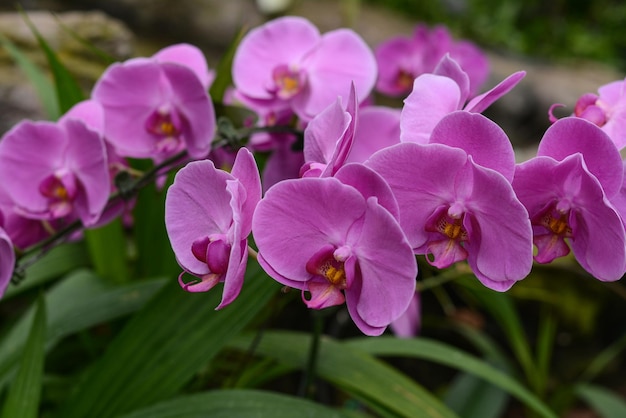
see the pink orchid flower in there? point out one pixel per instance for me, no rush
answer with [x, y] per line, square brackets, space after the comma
[55, 170]
[567, 190]
[156, 107]
[336, 244]
[208, 216]
[607, 110]
[441, 93]
[456, 201]
[402, 59]
[288, 60]
[7, 261]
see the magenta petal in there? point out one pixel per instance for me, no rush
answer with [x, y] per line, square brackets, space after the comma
[129, 94]
[500, 247]
[195, 106]
[86, 157]
[246, 171]
[568, 136]
[324, 132]
[378, 128]
[189, 56]
[370, 184]
[282, 41]
[479, 137]
[479, 103]
[419, 188]
[432, 98]
[7, 255]
[29, 153]
[90, 112]
[408, 324]
[396, 65]
[450, 68]
[298, 217]
[387, 266]
[197, 205]
[341, 58]
[598, 237]
[323, 295]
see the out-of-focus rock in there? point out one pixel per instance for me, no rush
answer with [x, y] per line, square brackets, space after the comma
[74, 36]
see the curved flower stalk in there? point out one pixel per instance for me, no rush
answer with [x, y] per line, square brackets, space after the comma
[156, 107]
[607, 110]
[402, 59]
[329, 240]
[288, 60]
[457, 205]
[208, 217]
[55, 171]
[443, 92]
[567, 190]
[7, 261]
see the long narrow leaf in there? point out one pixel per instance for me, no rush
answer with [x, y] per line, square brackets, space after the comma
[237, 403]
[164, 346]
[79, 302]
[58, 262]
[68, 91]
[25, 392]
[607, 403]
[472, 397]
[36, 76]
[107, 248]
[382, 388]
[450, 356]
[502, 310]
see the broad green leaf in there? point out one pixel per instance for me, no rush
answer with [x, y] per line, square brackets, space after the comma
[471, 397]
[453, 357]
[165, 345]
[68, 91]
[388, 392]
[59, 261]
[25, 391]
[607, 403]
[40, 81]
[79, 302]
[108, 250]
[237, 403]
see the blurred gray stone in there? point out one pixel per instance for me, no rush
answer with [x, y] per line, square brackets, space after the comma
[62, 31]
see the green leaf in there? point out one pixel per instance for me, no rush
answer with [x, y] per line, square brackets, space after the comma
[601, 360]
[59, 261]
[37, 77]
[471, 397]
[237, 403]
[453, 357]
[68, 91]
[108, 250]
[382, 388]
[79, 302]
[607, 403]
[502, 309]
[165, 345]
[223, 77]
[25, 392]
[154, 253]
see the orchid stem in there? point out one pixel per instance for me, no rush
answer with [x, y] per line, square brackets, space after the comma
[309, 373]
[45, 245]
